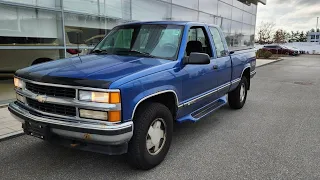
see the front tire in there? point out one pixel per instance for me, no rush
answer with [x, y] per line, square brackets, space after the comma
[237, 97]
[152, 136]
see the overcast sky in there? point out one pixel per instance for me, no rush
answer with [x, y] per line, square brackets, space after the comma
[290, 14]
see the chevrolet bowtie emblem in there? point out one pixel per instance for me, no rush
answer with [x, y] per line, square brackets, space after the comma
[41, 98]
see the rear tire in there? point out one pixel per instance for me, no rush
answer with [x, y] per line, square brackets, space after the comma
[237, 97]
[153, 124]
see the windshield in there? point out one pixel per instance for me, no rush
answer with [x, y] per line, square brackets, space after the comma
[161, 41]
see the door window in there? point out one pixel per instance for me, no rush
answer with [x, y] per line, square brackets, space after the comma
[221, 52]
[198, 41]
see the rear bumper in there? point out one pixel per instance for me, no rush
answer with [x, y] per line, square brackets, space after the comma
[69, 129]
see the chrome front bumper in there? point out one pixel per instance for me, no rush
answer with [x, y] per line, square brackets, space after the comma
[115, 134]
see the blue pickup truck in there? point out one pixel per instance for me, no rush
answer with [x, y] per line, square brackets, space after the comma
[125, 95]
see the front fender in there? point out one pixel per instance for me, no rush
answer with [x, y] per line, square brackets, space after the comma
[134, 93]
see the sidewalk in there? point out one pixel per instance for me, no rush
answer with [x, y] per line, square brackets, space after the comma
[8, 125]
[262, 62]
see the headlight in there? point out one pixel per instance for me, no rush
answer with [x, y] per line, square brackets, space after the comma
[18, 83]
[101, 97]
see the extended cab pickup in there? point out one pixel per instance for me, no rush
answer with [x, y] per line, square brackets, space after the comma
[126, 94]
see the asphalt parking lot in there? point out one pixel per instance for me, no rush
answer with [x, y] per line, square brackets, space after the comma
[275, 136]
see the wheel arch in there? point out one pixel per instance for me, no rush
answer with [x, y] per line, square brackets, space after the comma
[165, 97]
[246, 73]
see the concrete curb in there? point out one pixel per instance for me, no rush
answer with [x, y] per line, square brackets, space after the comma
[4, 105]
[11, 135]
[270, 63]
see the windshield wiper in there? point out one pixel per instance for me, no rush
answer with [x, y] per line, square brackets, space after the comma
[138, 52]
[99, 51]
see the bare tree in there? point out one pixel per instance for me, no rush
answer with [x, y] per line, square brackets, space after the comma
[279, 36]
[265, 31]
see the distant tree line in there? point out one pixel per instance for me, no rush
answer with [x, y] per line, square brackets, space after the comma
[266, 34]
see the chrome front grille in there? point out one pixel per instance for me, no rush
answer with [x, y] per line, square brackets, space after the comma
[52, 108]
[59, 100]
[51, 90]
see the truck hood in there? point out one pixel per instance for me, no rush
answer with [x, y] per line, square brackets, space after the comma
[91, 70]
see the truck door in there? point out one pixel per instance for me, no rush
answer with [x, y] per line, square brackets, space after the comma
[201, 78]
[222, 62]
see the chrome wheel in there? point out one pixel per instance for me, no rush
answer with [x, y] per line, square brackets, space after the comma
[156, 136]
[242, 92]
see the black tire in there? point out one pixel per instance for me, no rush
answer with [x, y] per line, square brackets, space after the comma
[234, 98]
[138, 154]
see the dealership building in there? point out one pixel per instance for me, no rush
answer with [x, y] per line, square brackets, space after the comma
[33, 31]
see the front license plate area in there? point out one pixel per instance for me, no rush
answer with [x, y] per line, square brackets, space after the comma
[38, 130]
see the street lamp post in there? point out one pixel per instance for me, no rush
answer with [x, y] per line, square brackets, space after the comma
[317, 23]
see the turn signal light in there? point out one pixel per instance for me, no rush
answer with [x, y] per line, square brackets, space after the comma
[114, 97]
[114, 116]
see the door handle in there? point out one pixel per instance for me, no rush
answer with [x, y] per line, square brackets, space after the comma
[215, 67]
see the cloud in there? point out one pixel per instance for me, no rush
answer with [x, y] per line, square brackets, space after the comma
[290, 14]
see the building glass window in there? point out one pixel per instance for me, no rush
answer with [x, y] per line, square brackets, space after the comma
[237, 14]
[85, 6]
[206, 18]
[27, 26]
[254, 9]
[317, 36]
[313, 36]
[246, 29]
[226, 25]
[84, 31]
[224, 10]
[184, 14]
[253, 20]
[193, 4]
[209, 6]
[116, 8]
[247, 18]
[144, 10]
[42, 3]
[247, 8]
[238, 4]
[236, 27]
[227, 1]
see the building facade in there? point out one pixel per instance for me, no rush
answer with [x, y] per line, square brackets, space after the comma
[313, 37]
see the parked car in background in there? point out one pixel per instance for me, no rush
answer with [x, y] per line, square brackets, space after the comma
[295, 50]
[279, 49]
[299, 50]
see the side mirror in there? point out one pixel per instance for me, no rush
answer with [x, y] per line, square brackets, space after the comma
[197, 58]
